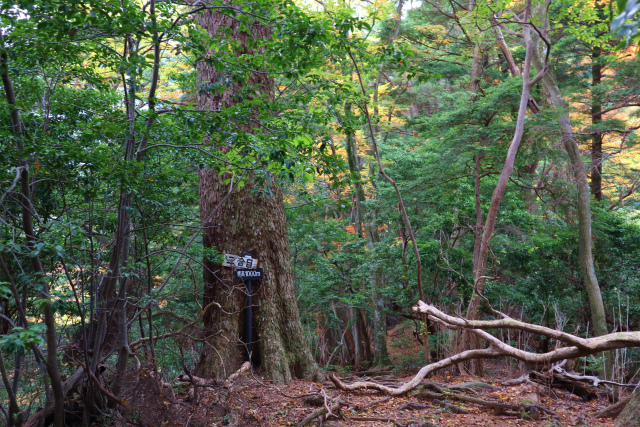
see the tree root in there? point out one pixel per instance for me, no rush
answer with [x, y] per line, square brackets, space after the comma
[614, 410]
[370, 405]
[498, 408]
[414, 407]
[450, 408]
[472, 386]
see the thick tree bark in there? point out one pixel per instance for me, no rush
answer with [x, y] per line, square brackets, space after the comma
[246, 223]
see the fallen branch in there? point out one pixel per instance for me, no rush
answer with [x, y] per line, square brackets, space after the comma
[578, 347]
[232, 378]
[335, 406]
[595, 381]
[517, 381]
[554, 379]
[197, 381]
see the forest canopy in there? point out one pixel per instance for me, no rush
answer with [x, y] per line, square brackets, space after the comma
[481, 157]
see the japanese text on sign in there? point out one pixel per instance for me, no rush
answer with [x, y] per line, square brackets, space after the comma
[239, 262]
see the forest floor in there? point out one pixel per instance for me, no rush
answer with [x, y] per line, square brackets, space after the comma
[252, 401]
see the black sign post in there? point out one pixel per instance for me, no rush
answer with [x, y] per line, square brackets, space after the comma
[248, 275]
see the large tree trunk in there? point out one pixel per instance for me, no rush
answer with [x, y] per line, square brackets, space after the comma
[238, 222]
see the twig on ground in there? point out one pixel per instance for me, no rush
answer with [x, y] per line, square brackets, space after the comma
[320, 412]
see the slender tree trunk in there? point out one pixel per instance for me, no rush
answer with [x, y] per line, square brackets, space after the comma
[360, 219]
[596, 118]
[480, 262]
[345, 337]
[237, 221]
[467, 340]
[511, 64]
[27, 224]
[15, 416]
[584, 202]
[366, 223]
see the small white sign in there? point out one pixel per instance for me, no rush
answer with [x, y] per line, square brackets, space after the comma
[239, 262]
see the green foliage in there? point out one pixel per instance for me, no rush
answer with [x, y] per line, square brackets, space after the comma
[20, 339]
[82, 73]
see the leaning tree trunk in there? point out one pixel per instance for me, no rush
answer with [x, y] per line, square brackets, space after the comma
[585, 250]
[240, 222]
[469, 341]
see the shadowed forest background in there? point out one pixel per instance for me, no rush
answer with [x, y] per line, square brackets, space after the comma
[481, 157]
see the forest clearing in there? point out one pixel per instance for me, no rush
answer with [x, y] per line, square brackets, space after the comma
[319, 212]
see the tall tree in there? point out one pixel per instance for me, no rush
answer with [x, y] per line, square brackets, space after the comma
[585, 240]
[238, 221]
[481, 250]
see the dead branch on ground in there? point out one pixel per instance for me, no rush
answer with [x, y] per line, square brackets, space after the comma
[576, 347]
[335, 407]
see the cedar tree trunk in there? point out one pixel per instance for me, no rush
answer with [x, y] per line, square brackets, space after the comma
[243, 223]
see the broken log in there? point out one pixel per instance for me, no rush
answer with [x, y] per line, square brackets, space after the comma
[555, 379]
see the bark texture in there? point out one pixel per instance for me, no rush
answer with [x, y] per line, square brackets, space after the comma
[238, 222]
[630, 415]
